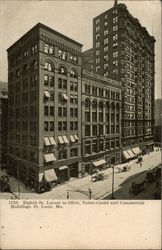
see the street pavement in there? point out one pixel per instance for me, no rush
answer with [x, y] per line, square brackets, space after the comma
[79, 188]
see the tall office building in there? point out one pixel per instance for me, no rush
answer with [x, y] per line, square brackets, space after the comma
[123, 50]
[44, 86]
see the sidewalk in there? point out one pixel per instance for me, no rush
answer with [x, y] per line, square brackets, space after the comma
[79, 187]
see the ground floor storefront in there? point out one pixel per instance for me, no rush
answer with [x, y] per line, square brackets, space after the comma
[45, 177]
[92, 164]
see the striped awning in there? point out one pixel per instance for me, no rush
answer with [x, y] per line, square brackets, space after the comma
[60, 139]
[65, 139]
[76, 137]
[63, 167]
[47, 94]
[131, 153]
[46, 141]
[65, 96]
[72, 138]
[52, 140]
[50, 175]
[49, 157]
[126, 155]
[99, 163]
[136, 150]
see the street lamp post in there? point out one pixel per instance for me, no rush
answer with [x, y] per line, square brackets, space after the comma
[112, 196]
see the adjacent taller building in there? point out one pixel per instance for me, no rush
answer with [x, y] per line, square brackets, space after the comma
[123, 50]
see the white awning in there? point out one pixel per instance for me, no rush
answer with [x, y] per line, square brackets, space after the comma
[61, 141]
[72, 138]
[99, 163]
[49, 157]
[40, 177]
[126, 155]
[136, 151]
[46, 141]
[131, 153]
[65, 96]
[76, 137]
[52, 140]
[50, 175]
[63, 167]
[47, 94]
[65, 139]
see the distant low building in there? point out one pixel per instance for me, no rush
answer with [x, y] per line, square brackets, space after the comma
[3, 122]
[87, 60]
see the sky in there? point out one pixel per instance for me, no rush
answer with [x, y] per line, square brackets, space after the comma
[73, 19]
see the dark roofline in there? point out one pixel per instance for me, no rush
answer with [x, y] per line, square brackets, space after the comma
[40, 25]
[87, 50]
[134, 19]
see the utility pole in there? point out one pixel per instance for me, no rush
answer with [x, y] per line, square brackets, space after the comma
[112, 196]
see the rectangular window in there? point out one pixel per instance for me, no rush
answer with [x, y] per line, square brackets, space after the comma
[51, 80]
[59, 111]
[51, 50]
[87, 130]
[106, 49]
[94, 130]
[51, 126]
[46, 48]
[97, 52]
[73, 152]
[59, 126]
[46, 110]
[106, 41]
[115, 19]
[64, 125]
[97, 28]
[45, 126]
[46, 79]
[51, 111]
[52, 96]
[106, 32]
[97, 44]
[64, 111]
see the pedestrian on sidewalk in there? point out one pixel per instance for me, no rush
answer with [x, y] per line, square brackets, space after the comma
[140, 164]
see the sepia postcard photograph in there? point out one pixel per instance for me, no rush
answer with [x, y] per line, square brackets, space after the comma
[80, 123]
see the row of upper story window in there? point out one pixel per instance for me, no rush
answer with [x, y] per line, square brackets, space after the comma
[106, 16]
[114, 20]
[100, 92]
[62, 111]
[62, 54]
[106, 40]
[91, 130]
[48, 49]
[100, 118]
[99, 105]
[15, 60]
[106, 32]
[62, 125]
[47, 66]
[62, 83]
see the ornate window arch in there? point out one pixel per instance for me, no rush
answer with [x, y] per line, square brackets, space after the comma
[48, 66]
[73, 73]
[62, 70]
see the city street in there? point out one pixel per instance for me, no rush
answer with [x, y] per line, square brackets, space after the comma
[79, 188]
